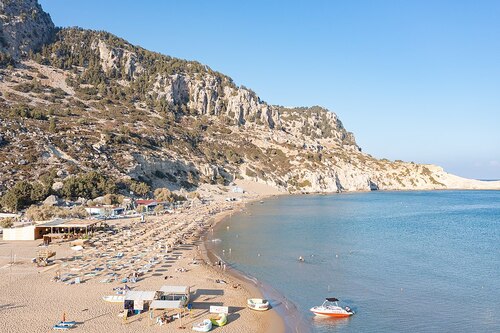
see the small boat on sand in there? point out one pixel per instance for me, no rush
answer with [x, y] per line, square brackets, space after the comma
[331, 308]
[114, 298]
[204, 326]
[258, 304]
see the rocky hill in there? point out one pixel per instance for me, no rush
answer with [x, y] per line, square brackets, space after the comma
[74, 101]
[24, 27]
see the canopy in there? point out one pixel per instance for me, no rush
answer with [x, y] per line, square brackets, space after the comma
[175, 289]
[332, 299]
[157, 304]
[136, 295]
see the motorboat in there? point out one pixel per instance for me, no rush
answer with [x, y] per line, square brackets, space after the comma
[204, 326]
[331, 308]
[258, 304]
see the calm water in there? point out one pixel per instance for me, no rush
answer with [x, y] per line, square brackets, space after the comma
[404, 261]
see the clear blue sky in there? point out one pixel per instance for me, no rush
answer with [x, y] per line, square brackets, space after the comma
[414, 80]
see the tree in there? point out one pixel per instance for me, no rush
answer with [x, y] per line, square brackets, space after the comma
[112, 199]
[17, 197]
[159, 209]
[39, 192]
[7, 222]
[163, 194]
[44, 213]
[90, 185]
[52, 125]
[139, 188]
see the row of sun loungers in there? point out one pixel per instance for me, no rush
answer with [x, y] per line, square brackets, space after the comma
[128, 253]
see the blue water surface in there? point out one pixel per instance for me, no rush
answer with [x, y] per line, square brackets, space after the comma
[404, 261]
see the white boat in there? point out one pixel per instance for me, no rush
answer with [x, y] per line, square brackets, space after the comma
[258, 304]
[331, 308]
[204, 326]
[114, 298]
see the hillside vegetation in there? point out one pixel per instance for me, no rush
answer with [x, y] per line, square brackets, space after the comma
[87, 113]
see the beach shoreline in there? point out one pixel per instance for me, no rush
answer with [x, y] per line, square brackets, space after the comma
[284, 315]
[274, 320]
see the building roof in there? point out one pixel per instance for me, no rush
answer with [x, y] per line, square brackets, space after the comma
[175, 289]
[137, 295]
[59, 223]
[146, 202]
[157, 304]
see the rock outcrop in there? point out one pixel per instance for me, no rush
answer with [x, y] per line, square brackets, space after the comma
[90, 101]
[24, 27]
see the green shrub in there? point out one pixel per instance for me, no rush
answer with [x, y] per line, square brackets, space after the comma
[7, 222]
[89, 186]
[17, 197]
[45, 213]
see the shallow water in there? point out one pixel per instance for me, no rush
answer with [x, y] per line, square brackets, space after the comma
[404, 261]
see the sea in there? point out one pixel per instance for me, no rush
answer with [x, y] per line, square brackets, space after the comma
[403, 261]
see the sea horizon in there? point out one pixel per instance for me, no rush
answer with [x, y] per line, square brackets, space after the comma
[353, 263]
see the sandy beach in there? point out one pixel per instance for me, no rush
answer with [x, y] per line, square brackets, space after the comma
[167, 250]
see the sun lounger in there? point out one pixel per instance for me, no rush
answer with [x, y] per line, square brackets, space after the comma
[64, 325]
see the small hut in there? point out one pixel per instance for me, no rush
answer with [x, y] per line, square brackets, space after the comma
[138, 301]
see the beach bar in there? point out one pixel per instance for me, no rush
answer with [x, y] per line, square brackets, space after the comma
[138, 301]
[171, 297]
[167, 298]
[51, 230]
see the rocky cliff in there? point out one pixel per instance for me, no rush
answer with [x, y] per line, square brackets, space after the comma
[90, 101]
[24, 27]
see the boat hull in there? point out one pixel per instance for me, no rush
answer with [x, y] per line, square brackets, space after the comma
[258, 304]
[332, 315]
[332, 312]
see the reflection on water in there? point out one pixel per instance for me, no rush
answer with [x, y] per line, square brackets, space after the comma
[330, 323]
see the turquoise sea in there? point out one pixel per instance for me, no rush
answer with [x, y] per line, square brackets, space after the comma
[404, 261]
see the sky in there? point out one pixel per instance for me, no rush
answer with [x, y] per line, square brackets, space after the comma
[414, 80]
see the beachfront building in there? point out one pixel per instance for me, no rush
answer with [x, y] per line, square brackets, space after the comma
[49, 231]
[167, 298]
[110, 211]
[96, 210]
[149, 205]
